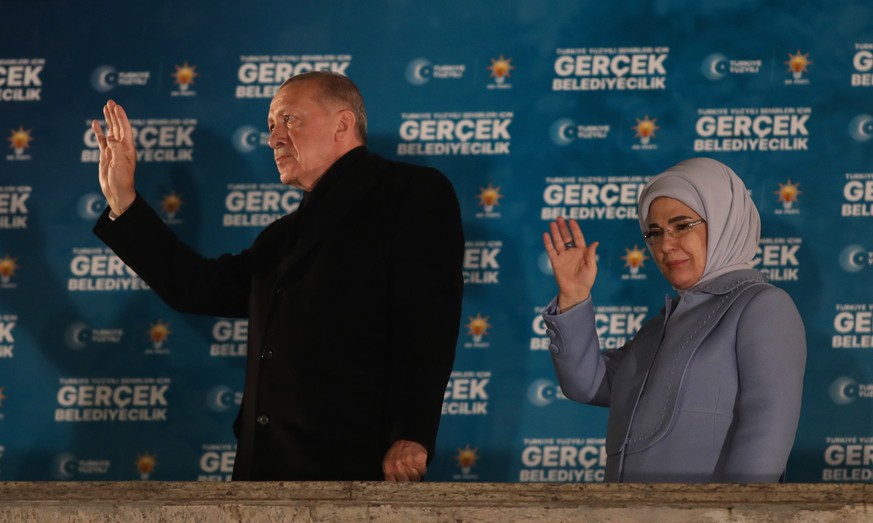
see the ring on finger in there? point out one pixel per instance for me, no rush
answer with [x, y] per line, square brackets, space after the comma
[569, 245]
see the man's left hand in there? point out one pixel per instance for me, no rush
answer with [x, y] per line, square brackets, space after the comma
[405, 461]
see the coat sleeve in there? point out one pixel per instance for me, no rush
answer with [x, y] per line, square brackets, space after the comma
[584, 372]
[771, 358]
[426, 287]
[180, 276]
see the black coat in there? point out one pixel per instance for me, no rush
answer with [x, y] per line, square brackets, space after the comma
[354, 306]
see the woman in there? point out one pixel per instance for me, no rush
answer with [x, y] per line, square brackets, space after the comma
[711, 389]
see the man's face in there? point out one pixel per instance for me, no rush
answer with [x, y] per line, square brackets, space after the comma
[302, 134]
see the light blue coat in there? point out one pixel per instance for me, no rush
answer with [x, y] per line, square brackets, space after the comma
[717, 400]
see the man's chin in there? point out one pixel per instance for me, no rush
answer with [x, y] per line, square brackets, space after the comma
[289, 179]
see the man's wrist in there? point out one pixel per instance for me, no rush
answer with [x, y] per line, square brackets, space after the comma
[117, 210]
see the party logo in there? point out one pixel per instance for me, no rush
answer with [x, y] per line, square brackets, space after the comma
[477, 329]
[499, 73]
[183, 80]
[466, 459]
[798, 65]
[19, 142]
[489, 198]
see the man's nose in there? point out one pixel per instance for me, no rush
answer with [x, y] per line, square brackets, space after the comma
[278, 137]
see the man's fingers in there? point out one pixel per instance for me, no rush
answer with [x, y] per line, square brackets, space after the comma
[98, 132]
[123, 123]
[117, 131]
[396, 474]
[109, 117]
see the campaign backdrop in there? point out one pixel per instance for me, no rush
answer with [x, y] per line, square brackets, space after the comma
[532, 109]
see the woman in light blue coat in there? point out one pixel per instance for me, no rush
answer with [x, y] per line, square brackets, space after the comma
[709, 391]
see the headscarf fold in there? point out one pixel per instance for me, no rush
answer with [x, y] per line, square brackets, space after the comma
[715, 192]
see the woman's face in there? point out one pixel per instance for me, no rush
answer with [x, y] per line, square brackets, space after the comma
[681, 256]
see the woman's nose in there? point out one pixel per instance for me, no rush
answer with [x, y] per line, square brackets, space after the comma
[668, 243]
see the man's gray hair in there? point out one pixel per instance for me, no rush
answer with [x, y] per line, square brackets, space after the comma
[339, 89]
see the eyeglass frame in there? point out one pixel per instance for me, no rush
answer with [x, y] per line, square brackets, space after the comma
[650, 238]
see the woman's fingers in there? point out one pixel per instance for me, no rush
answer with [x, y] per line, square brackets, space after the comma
[557, 239]
[578, 237]
[547, 243]
[566, 236]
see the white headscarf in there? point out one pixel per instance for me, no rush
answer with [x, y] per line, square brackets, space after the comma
[717, 194]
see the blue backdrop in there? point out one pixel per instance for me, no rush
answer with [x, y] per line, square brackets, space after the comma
[533, 110]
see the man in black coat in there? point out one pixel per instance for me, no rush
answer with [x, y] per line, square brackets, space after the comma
[353, 300]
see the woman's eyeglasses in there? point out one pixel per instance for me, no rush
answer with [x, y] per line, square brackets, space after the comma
[678, 230]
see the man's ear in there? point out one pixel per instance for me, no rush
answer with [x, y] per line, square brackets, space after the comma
[345, 128]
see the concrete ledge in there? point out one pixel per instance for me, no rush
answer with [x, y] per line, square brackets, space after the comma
[430, 502]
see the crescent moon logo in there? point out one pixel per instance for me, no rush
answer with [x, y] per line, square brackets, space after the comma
[104, 78]
[91, 205]
[64, 466]
[844, 391]
[861, 127]
[245, 139]
[563, 131]
[852, 258]
[419, 71]
[715, 66]
[220, 398]
[78, 336]
[541, 392]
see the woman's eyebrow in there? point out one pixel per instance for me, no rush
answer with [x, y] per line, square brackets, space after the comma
[677, 219]
[671, 220]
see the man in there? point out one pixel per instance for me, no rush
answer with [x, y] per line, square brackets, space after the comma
[353, 300]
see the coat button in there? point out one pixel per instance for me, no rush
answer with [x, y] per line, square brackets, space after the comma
[280, 292]
[266, 354]
[554, 348]
[550, 333]
[263, 419]
[688, 298]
